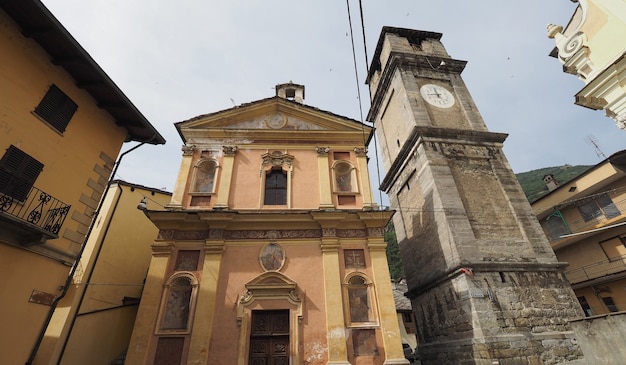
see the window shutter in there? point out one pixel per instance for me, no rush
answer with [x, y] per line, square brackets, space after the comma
[56, 108]
[18, 173]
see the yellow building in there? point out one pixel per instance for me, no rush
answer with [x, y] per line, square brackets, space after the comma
[271, 250]
[62, 124]
[100, 308]
[592, 46]
[585, 221]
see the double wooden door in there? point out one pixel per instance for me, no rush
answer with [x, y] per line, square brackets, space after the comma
[269, 338]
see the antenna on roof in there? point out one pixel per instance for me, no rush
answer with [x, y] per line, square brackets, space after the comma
[594, 142]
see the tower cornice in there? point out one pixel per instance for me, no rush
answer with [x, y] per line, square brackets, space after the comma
[432, 134]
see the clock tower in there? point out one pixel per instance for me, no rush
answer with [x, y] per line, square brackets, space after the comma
[484, 283]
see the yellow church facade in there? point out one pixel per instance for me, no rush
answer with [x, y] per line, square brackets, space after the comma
[271, 250]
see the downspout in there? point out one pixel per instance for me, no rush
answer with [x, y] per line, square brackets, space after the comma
[68, 281]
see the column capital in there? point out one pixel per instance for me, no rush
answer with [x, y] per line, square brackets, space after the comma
[229, 150]
[322, 151]
[360, 151]
[188, 149]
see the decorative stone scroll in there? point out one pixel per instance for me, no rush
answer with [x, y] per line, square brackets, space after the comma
[322, 151]
[187, 149]
[270, 285]
[229, 150]
[360, 151]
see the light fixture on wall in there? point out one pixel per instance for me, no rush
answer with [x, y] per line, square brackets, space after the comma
[143, 204]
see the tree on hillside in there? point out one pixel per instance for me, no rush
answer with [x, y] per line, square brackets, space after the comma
[393, 253]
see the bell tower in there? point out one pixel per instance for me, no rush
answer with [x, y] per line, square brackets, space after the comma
[485, 286]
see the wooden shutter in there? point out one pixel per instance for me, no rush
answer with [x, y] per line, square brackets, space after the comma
[56, 108]
[18, 173]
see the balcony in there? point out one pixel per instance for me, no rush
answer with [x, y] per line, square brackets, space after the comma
[34, 219]
[596, 270]
[600, 219]
[559, 227]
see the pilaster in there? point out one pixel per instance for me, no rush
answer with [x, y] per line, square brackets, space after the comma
[326, 200]
[223, 192]
[181, 180]
[364, 178]
[389, 327]
[336, 333]
[143, 338]
[205, 308]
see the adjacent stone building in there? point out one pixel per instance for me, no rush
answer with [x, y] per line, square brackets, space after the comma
[485, 286]
[271, 250]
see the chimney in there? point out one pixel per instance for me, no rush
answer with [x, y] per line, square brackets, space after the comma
[291, 91]
[550, 182]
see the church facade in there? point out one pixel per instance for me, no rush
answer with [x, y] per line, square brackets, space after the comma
[271, 250]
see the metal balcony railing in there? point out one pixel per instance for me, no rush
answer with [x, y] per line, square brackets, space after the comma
[580, 225]
[38, 208]
[596, 270]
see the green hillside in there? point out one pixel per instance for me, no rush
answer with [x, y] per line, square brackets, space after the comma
[532, 182]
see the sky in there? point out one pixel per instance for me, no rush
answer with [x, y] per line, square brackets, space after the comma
[179, 59]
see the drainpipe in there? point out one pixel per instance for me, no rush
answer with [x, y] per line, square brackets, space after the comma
[68, 281]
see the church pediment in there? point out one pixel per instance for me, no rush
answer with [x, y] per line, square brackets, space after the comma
[270, 115]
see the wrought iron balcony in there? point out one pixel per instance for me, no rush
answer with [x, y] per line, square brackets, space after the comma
[36, 217]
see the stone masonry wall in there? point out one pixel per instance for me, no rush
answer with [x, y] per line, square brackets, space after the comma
[513, 317]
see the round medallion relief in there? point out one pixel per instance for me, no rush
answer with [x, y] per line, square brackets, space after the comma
[276, 120]
[272, 257]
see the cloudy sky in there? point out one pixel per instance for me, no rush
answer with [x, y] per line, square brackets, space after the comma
[179, 59]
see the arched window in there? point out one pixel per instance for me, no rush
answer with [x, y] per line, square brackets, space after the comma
[276, 187]
[360, 303]
[345, 177]
[178, 300]
[205, 176]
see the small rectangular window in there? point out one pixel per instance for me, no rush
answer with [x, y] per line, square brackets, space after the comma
[600, 206]
[610, 304]
[56, 108]
[18, 172]
[586, 307]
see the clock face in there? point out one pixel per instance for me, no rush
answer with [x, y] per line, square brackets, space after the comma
[437, 96]
[276, 120]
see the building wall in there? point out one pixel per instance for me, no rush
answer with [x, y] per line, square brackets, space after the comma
[107, 288]
[230, 228]
[77, 165]
[593, 246]
[591, 47]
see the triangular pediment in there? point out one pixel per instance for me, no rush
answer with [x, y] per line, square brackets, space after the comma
[272, 115]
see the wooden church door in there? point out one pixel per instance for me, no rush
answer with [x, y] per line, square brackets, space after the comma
[269, 338]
